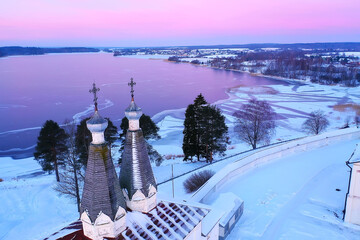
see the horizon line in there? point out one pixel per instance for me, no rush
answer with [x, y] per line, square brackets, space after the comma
[196, 45]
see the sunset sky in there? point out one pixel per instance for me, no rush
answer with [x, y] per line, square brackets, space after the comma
[127, 23]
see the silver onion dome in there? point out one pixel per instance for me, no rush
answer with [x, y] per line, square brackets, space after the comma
[97, 123]
[133, 112]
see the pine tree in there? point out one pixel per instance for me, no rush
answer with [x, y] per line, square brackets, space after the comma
[214, 134]
[148, 127]
[190, 134]
[205, 132]
[192, 129]
[83, 138]
[51, 147]
[150, 131]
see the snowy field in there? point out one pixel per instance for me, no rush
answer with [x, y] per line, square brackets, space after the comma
[292, 103]
[30, 207]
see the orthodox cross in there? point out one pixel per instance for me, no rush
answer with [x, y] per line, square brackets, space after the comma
[94, 90]
[132, 84]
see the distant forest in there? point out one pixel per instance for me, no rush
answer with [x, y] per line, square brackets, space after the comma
[11, 51]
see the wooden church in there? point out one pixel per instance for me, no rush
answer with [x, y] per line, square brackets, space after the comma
[127, 207]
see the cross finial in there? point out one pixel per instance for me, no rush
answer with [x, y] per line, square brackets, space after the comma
[94, 90]
[132, 84]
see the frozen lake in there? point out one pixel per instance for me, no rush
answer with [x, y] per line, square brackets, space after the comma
[37, 88]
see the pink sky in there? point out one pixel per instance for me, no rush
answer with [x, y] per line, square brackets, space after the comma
[176, 22]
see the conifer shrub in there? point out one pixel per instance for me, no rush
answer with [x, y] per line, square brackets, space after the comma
[196, 180]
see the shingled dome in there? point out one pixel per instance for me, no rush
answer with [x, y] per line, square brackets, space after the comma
[133, 112]
[136, 172]
[101, 193]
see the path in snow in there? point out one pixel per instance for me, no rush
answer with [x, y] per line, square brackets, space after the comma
[295, 197]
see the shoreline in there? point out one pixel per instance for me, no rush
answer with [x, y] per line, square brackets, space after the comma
[278, 78]
[177, 113]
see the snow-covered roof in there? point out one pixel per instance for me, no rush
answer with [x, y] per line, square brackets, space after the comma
[168, 220]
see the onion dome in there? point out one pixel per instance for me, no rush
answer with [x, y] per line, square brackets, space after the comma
[97, 125]
[133, 112]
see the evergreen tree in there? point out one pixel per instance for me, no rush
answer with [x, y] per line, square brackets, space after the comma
[205, 131]
[51, 147]
[190, 134]
[214, 132]
[148, 127]
[192, 129]
[154, 156]
[111, 133]
[83, 138]
[199, 101]
[82, 141]
[150, 131]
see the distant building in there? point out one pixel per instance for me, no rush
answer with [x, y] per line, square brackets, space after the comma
[352, 204]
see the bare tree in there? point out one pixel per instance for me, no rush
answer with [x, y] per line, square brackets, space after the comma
[255, 122]
[357, 120]
[71, 176]
[347, 123]
[316, 123]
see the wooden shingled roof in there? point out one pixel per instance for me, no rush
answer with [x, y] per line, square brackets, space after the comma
[101, 188]
[168, 220]
[136, 172]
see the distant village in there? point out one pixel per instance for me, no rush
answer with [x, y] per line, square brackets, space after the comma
[320, 64]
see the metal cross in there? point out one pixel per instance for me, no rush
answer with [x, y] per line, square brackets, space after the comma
[132, 84]
[94, 90]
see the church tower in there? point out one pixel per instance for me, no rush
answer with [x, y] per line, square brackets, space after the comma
[136, 176]
[102, 205]
[352, 208]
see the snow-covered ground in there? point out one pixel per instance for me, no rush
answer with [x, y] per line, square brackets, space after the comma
[296, 197]
[291, 102]
[354, 54]
[29, 207]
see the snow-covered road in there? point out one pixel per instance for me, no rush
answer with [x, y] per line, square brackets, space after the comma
[296, 197]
